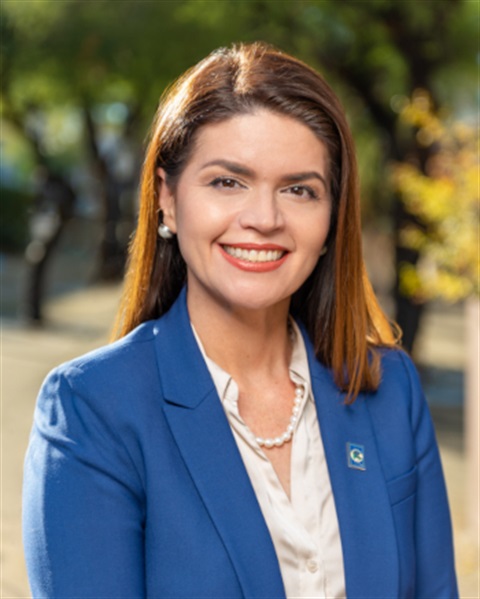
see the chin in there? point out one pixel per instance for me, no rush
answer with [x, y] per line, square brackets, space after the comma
[256, 302]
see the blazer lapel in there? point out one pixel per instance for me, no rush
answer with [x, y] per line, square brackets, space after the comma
[202, 433]
[363, 508]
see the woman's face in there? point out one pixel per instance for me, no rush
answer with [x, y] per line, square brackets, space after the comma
[251, 211]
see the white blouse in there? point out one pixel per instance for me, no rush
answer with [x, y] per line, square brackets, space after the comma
[304, 529]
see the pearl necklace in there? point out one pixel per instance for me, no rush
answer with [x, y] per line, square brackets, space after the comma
[288, 434]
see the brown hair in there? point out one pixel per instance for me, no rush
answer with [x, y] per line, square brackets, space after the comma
[336, 303]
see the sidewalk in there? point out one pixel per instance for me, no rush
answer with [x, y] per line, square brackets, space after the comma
[80, 321]
[77, 323]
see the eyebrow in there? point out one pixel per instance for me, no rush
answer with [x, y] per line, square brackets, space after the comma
[239, 169]
[233, 167]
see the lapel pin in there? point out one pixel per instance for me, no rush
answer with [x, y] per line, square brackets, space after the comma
[356, 456]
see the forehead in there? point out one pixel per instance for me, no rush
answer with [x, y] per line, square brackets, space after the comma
[261, 139]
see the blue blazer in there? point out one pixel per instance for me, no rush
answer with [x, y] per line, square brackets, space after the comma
[134, 486]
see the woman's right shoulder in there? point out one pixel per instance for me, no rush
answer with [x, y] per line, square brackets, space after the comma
[110, 375]
[92, 414]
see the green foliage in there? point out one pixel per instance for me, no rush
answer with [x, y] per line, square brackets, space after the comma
[59, 57]
[14, 208]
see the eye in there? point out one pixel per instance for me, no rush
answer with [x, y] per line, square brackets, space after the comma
[302, 191]
[225, 183]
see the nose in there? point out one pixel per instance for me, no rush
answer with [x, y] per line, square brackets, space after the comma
[262, 212]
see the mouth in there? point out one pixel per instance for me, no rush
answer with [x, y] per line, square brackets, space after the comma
[255, 258]
[254, 255]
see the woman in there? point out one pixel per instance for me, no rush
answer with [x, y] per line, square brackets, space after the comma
[254, 432]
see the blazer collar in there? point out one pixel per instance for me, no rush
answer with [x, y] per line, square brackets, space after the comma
[185, 380]
[202, 433]
[363, 508]
[203, 436]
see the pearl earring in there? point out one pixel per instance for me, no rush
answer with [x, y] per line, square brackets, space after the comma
[164, 232]
[323, 250]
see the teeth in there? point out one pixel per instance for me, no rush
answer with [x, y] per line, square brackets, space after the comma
[254, 255]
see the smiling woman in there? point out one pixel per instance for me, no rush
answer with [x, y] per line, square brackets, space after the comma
[240, 82]
[254, 431]
[235, 201]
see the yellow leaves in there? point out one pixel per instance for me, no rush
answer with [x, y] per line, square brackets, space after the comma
[424, 282]
[424, 196]
[444, 198]
[418, 113]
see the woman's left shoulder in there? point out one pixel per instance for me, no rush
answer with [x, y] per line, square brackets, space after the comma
[397, 369]
[400, 390]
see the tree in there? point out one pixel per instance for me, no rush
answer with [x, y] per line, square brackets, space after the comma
[87, 70]
[375, 52]
[445, 201]
[87, 57]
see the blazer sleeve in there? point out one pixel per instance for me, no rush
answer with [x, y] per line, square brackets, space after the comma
[434, 559]
[83, 507]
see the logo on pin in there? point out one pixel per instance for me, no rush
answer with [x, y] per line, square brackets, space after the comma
[356, 456]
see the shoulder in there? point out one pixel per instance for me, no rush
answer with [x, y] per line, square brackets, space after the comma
[136, 343]
[92, 410]
[400, 384]
[127, 351]
[122, 382]
[106, 377]
[104, 403]
[398, 369]
[399, 379]
[398, 404]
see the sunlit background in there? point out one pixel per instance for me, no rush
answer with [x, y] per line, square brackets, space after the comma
[80, 82]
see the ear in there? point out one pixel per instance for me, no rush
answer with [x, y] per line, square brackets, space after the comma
[166, 201]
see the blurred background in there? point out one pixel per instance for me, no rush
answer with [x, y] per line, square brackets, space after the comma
[80, 82]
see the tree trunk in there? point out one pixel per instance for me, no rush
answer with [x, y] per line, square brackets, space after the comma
[54, 205]
[112, 253]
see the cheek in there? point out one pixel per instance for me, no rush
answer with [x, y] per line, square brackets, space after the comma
[315, 233]
[201, 221]
[195, 231]
[186, 220]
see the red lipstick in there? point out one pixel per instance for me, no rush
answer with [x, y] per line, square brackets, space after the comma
[258, 267]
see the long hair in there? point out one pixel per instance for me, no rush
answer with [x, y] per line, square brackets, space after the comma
[336, 303]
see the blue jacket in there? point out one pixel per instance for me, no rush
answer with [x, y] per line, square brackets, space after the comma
[134, 486]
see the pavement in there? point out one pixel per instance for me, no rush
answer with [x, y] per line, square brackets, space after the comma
[80, 320]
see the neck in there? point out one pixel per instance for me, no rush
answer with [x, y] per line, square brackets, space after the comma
[248, 344]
